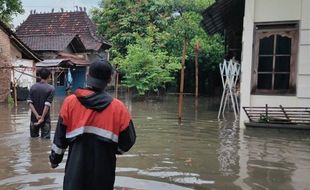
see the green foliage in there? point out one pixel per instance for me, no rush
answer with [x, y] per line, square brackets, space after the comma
[185, 27]
[182, 6]
[147, 66]
[148, 37]
[8, 8]
[211, 48]
[120, 19]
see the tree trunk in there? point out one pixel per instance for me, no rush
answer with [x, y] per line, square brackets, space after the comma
[182, 78]
[197, 47]
[14, 88]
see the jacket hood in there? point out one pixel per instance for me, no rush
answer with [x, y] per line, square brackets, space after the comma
[94, 100]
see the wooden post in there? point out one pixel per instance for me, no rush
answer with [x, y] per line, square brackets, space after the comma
[14, 88]
[197, 47]
[267, 113]
[53, 78]
[182, 79]
[116, 84]
[196, 108]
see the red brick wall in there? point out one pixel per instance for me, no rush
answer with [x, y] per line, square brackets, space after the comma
[5, 60]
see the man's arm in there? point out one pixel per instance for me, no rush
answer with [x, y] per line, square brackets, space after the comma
[59, 144]
[41, 118]
[127, 139]
[34, 111]
[31, 106]
[47, 105]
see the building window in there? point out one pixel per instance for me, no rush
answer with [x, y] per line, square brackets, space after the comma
[275, 49]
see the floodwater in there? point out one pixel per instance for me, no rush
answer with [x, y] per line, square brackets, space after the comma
[200, 153]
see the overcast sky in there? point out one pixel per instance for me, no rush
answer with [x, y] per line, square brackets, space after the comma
[48, 5]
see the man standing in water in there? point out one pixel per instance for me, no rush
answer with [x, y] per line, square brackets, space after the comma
[96, 127]
[40, 99]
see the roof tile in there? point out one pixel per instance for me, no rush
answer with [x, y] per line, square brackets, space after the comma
[63, 23]
[50, 42]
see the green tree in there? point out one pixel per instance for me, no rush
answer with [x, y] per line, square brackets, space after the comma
[147, 66]
[119, 20]
[186, 31]
[176, 26]
[9, 8]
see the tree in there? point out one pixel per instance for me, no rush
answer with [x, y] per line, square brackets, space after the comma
[118, 20]
[186, 28]
[8, 8]
[177, 23]
[147, 66]
[135, 29]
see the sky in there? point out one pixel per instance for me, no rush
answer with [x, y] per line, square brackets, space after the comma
[48, 5]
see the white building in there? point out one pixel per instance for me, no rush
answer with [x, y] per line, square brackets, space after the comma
[275, 53]
[275, 66]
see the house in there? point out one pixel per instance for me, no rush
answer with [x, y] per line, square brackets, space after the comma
[68, 72]
[275, 55]
[17, 62]
[62, 54]
[66, 23]
[68, 43]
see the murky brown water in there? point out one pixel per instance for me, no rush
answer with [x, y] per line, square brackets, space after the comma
[201, 153]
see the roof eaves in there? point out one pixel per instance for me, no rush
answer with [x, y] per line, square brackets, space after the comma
[19, 42]
[214, 16]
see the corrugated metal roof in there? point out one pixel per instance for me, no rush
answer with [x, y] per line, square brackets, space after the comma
[50, 63]
[217, 15]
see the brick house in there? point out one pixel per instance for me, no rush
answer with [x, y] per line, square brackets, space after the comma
[12, 51]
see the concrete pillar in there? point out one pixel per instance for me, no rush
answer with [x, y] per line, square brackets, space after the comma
[246, 58]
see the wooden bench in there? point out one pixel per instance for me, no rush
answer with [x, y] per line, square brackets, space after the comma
[280, 116]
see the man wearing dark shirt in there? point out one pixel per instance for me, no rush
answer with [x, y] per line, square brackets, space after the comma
[40, 100]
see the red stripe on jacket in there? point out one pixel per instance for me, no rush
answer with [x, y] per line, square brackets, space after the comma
[114, 118]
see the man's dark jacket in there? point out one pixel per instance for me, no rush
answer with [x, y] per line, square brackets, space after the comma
[96, 127]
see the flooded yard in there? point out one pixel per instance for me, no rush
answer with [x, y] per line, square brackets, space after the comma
[200, 153]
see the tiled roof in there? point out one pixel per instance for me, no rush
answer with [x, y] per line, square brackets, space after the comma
[25, 50]
[50, 42]
[64, 23]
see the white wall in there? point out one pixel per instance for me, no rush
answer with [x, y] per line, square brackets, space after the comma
[246, 58]
[24, 80]
[303, 80]
[277, 10]
[273, 11]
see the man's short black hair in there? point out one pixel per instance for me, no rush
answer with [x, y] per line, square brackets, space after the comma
[44, 73]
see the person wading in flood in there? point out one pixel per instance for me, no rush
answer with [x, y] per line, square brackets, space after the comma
[40, 99]
[96, 127]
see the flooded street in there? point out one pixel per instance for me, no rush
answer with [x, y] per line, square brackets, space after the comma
[201, 153]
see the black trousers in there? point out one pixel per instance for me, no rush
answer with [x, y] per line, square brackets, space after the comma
[45, 128]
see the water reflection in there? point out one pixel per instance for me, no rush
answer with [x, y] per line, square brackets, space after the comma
[201, 153]
[228, 144]
[280, 156]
